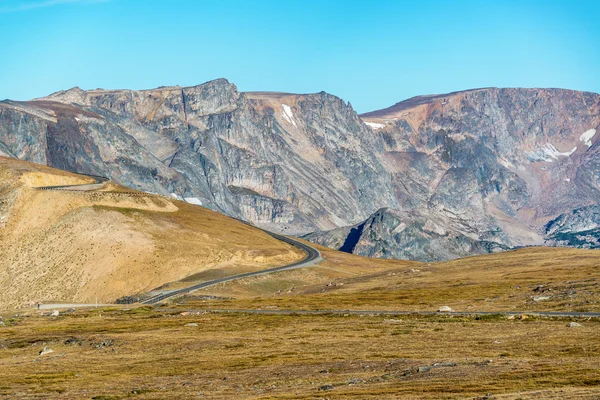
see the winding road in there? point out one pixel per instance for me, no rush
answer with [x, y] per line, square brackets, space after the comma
[313, 256]
[85, 187]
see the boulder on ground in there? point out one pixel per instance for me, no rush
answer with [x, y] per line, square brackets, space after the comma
[444, 309]
[574, 325]
[541, 298]
[46, 350]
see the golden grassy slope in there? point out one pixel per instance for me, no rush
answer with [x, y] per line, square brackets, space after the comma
[60, 246]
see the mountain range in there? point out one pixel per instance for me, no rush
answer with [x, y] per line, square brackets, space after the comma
[430, 178]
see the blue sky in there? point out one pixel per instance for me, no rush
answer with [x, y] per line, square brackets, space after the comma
[371, 53]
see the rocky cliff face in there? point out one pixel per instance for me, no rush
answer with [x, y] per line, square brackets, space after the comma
[481, 171]
[451, 175]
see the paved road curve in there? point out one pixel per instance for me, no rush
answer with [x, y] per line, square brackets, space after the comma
[83, 187]
[313, 256]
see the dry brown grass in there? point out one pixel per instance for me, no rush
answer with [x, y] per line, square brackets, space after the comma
[154, 354]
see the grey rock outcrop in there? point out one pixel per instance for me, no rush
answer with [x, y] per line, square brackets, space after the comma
[578, 228]
[405, 235]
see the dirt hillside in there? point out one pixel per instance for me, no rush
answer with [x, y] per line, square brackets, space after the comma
[63, 246]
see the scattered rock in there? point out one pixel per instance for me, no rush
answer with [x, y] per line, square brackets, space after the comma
[141, 390]
[444, 309]
[496, 342]
[538, 288]
[541, 298]
[104, 343]
[55, 313]
[392, 321]
[355, 381]
[510, 317]
[415, 270]
[442, 365]
[2, 323]
[423, 369]
[73, 341]
[574, 325]
[46, 350]
[326, 387]
[183, 314]
[191, 324]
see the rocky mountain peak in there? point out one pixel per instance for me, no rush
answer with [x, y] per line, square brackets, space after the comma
[74, 95]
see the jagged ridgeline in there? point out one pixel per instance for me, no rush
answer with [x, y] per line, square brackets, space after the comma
[430, 178]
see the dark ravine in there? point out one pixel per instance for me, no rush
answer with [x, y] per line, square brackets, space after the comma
[431, 178]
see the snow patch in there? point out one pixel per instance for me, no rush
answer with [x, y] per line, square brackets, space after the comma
[193, 200]
[375, 125]
[176, 196]
[587, 136]
[567, 179]
[548, 153]
[288, 114]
